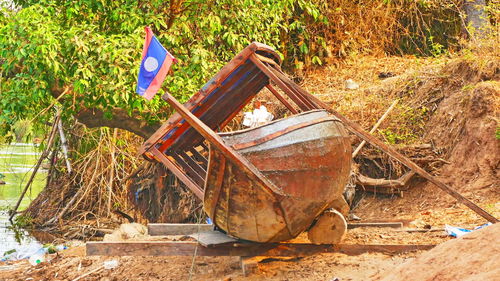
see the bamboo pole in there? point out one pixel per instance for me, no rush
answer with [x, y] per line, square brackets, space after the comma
[64, 145]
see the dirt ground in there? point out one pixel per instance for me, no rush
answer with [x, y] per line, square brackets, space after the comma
[72, 263]
[464, 98]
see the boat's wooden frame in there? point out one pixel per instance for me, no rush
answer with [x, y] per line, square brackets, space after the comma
[181, 149]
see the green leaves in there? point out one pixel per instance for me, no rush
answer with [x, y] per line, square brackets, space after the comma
[92, 48]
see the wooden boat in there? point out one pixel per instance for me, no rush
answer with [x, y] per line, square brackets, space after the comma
[307, 156]
[264, 184]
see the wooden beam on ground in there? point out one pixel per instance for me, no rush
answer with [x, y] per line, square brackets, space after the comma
[375, 224]
[184, 248]
[161, 229]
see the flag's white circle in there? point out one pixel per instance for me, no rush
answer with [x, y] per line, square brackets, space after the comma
[151, 64]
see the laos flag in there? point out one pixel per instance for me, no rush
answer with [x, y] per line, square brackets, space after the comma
[156, 62]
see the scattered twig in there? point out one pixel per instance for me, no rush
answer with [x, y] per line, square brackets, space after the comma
[88, 273]
[375, 127]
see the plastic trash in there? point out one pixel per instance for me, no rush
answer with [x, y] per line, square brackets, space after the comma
[61, 248]
[28, 251]
[459, 232]
[9, 255]
[110, 264]
[38, 257]
[31, 250]
[258, 117]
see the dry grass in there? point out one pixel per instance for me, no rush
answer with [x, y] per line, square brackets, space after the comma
[380, 27]
[94, 189]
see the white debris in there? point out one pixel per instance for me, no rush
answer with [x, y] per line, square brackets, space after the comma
[110, 264]
[258, 117]
[127, 231]
[351, 85]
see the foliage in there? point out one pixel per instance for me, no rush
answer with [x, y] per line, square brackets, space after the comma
[23, 130]
[90, 50]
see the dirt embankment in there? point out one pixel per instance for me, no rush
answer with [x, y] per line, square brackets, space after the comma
[471, 257]
[450, 105]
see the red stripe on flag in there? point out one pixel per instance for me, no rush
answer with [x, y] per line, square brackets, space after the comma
[160, 76]
[149, 37]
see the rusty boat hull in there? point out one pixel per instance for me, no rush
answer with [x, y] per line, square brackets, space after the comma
[307, 156]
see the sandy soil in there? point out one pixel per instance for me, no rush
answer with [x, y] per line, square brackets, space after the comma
[73, 263]
[472, 257]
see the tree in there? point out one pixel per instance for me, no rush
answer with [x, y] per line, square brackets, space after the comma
[86, 53]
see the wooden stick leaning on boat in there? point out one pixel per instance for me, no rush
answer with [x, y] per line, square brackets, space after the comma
[360, 132]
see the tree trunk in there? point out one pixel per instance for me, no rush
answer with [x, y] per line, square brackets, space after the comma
[476, 20]
[94, 118]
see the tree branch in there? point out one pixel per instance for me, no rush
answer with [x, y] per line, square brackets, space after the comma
[94, 118]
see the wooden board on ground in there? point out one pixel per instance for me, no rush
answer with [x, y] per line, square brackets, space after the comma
[184, 248]
[375, 224]
[161, 229]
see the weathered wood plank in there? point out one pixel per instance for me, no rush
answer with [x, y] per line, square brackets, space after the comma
[183, 248]
[375, 224]
[160, 229]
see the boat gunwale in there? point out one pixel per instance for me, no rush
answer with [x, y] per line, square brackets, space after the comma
[233, 133]
[282, 132]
